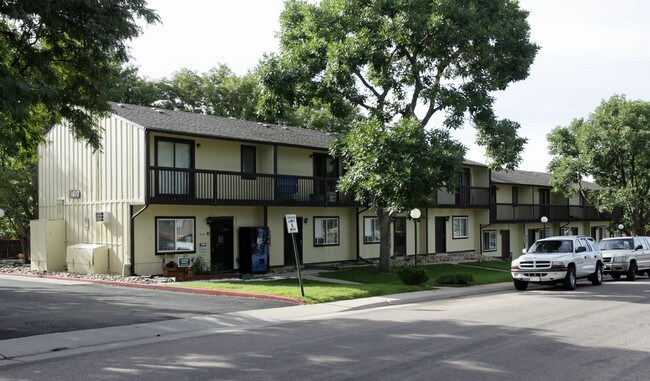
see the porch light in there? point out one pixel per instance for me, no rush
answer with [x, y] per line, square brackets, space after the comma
[415, 214]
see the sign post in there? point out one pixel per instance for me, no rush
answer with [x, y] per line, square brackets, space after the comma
[292, 228]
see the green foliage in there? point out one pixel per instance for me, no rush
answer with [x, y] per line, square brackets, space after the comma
[394, 168]
[60, 56]
[455, 279]
[200, 265]
[412, 275]
[18, 198]
[610, 146]
[388, 58]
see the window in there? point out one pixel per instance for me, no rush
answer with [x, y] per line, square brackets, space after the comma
[176, 158]
[371, 230]
[174, 235]
[326, 231]
[489, 240]
[248, 161]
[459, 224]
[515, 196]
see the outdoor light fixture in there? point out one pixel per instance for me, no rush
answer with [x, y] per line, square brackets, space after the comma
[544, 220]
[620, 229]
[415, 214]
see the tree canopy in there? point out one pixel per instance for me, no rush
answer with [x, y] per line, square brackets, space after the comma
[610, 146]
[392, 168]
[406, 58]
[403, 60]
[59, 57]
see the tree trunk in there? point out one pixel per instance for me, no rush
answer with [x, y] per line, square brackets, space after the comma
[385, 240]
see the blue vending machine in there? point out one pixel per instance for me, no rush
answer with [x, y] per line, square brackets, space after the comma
[254, 247]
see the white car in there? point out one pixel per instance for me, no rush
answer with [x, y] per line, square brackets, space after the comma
[561, 259]
[629, 256]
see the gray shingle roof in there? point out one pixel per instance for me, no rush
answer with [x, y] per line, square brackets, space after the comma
[540, 179]
[220, 127]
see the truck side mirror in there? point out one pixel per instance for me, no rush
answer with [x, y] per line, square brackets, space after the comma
[639, 247]
[581, 249]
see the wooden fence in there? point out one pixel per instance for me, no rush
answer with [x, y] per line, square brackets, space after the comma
[9, 248]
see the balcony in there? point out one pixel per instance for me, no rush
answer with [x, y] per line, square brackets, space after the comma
[508, 213]
[463, 197]
[207, 187]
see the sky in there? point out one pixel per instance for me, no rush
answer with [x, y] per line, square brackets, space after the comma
[590, 50]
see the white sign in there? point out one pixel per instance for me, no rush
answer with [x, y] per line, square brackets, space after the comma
[292, 223]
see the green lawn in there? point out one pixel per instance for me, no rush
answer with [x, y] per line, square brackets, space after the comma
[370, 282]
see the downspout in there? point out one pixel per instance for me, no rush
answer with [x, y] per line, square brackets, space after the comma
[146, 199]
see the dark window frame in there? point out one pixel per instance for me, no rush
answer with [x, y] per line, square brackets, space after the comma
[244, 157]
[338, 229]
[453, 234]
[175, 251]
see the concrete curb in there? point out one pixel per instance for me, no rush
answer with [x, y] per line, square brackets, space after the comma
[170, 288]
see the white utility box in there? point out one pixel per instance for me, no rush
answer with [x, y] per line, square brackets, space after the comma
[47, 249]
[87, 258]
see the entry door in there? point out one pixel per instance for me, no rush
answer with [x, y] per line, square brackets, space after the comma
[399, 236]
[222, 244]
[531, 237]
[441, 234]
[289, 256]
[505, 243]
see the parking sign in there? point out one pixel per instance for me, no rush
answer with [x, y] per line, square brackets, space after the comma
[292, 223]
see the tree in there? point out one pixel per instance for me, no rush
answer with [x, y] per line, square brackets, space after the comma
[393, 167]
[18, 197]
[61, 56]
[610, 146]
[402, 60]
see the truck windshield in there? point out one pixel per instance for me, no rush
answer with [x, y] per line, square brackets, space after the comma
[617, 244]
[559, 246]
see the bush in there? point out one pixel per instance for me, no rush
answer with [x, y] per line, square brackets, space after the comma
[412, 275]
[200, 265]
[456, 279]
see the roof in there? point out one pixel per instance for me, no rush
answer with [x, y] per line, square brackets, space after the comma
[220, 127]
[540, 179]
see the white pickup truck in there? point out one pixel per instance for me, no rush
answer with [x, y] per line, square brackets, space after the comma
[562, 259]
[629, 256]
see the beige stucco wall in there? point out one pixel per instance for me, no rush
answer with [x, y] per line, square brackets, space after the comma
[110, 179]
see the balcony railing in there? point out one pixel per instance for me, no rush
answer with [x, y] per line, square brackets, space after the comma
[206, 187]
[464, 197]
[509, 213]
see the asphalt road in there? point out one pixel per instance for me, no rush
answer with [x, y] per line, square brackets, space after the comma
[592, 333]
[34, 306]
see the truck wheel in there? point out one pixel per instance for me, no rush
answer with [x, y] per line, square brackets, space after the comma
[597, 277]
[630, 275]
[520, 285]
[570, 279]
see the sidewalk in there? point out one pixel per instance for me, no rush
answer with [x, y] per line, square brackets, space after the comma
[40, 347]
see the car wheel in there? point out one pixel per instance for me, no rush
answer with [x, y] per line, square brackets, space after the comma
[570, 279]
[597, 276]
[520, 285]
[615, 275]
[630, 275]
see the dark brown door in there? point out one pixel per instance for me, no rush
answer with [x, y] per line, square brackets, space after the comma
[441, 234]
[222, 243]
[505, 244]
[289, 256]
[399, 235]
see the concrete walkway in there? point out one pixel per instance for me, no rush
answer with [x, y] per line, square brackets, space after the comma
[33, 348]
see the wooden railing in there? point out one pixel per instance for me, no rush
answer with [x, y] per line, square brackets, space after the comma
[509, 213]
[464, 197]
[207, 187]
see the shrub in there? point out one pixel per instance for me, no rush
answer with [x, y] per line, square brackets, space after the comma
[200, 265]
[456, 279]
[412, 275]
